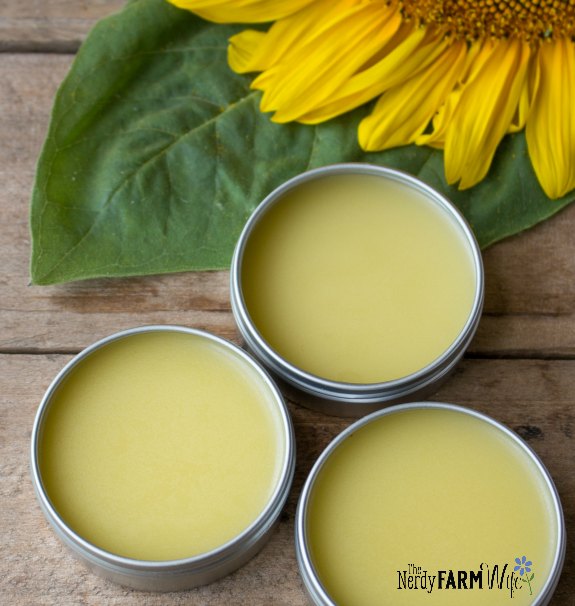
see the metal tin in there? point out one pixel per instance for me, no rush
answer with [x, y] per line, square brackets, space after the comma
[317, 592]
[352, 399]
[171, 575]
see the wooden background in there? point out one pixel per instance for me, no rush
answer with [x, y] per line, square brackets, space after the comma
[520, 368]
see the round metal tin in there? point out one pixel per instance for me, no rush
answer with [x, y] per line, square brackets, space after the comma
[355, 399]
[318, 593]
[170, 575]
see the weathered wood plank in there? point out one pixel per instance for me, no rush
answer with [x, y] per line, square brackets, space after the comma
[536, 398]
[529, 312]
[49, 26]
[530, 292]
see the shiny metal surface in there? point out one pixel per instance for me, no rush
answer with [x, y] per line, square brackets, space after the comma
[180, 574]
[351, 399]
[318, 594]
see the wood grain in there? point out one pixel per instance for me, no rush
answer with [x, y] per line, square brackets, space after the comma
[520, 368]
[536, 398]
[52, 26]
[530, 279]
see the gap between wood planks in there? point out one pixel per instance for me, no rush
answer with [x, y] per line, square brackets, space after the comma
[36, 351]
[36, 47]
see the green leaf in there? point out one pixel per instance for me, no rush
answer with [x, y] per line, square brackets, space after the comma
[532, 576]
[157, 153]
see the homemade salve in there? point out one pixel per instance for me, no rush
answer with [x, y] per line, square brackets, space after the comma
[429, 504]
[163, 444]
[353, 280]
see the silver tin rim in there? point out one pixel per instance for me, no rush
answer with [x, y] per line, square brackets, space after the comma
[165, 575]
[355, 393]
[314, 587]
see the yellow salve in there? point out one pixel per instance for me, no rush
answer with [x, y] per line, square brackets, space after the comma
[161, 445]
[358, 278]
[421, 491]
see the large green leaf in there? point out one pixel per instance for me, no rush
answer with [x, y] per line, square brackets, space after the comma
[157, 153]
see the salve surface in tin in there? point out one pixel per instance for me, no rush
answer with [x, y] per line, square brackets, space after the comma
[161, 445]
[426, 490]
[357, 278]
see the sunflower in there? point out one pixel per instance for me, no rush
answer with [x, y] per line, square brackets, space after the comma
[453, 74]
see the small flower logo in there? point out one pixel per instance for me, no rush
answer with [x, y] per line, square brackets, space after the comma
[524, 568]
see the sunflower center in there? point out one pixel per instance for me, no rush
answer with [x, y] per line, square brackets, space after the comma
[529, 20]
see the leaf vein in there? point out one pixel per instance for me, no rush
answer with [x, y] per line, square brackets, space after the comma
[153, 158]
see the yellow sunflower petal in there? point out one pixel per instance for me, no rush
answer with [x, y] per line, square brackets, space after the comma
[244, 51]
[403, 113]
[241, 11]
[440, 122]
[551, 124]
[528, 92]
[412, 54]
[484, 112]
[257, 51]
[332, 54]
[476, 57]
